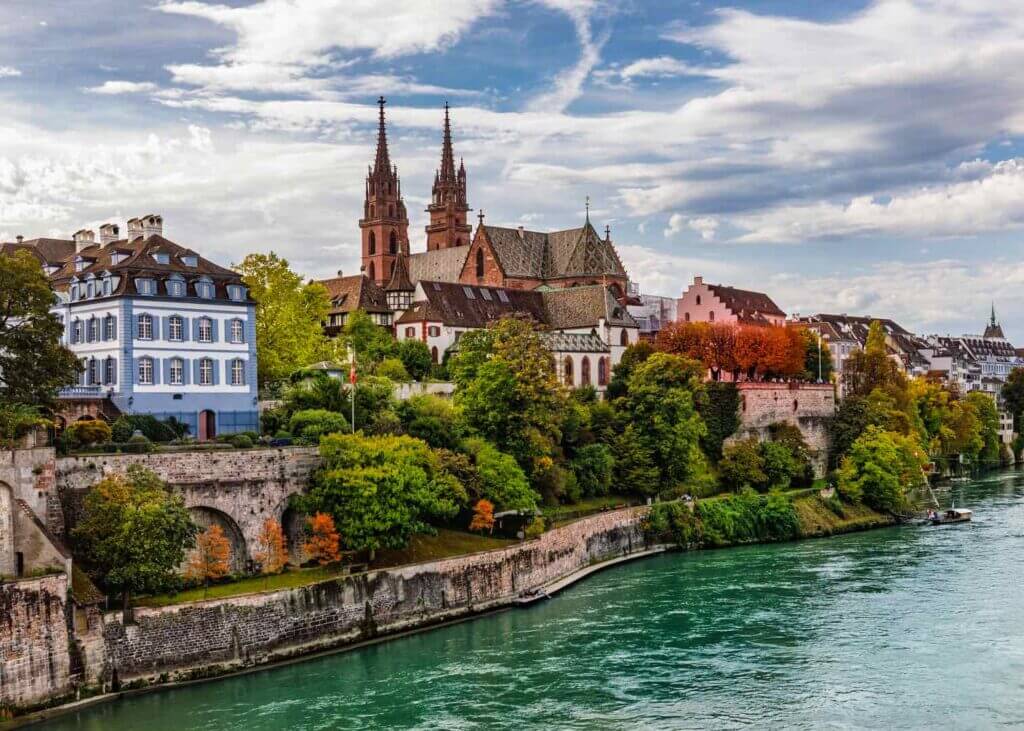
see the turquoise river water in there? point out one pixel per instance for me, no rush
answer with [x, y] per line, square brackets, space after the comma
[910, 627]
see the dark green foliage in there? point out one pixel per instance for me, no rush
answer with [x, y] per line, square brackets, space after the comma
[780, 467]
[393, 369]
[373, 396]
[1013, 397]
[310, 425]
[315, 390]
[415, 356]
[673, 522]
[747, 517]
[633, 356]
[814, 353]
[241, 441]
[501, 480]
[849, 422]
[273, 421]
[791, 436]
[742, 466]
[720, 409]
[153, 429]
[592, 467]
[433, 419]
[880, 468]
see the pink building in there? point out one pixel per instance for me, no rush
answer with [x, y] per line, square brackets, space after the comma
[714, 303]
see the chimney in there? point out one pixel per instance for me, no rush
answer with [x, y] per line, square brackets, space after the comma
[340, 274]
[697, 281]
[84, 238]
[19, 238]
[109, 233]
[152, 225]
[134, 229]
[521, 232]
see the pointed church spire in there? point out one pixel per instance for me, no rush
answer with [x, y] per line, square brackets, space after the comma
[447, 156]
[448, 207]
[382, 163]
[993, 313]
[588, 209]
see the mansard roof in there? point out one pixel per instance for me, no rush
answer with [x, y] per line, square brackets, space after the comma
[470, 306]
[572, 252]
[51, 252]
[439, 265]
[356, 292]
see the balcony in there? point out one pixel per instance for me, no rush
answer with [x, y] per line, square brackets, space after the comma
[83, 392]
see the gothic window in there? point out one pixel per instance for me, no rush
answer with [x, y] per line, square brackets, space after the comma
[371, 271]
[393, 243]
[567, 370]
[373, 243]
[602, 371]
[480, 262]
[624, 338]
[585, 371]
[372, 212]
[796, 405]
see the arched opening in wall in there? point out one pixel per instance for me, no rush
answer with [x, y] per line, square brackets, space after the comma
[624, 338]
[434, 355]
[711, 316]
[294, 527]
[796, 405]
[204, 517]
[743, 403]
[480, 263]
[602, 372]
[567, 370]
[373, 243]
[585, 371]
[371, 271]
[393, 243]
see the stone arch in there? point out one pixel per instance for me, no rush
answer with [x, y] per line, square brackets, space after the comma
[7, 563]
[567, 376]
[205, 516]
[293, 524]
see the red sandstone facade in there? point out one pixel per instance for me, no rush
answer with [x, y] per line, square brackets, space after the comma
[385, 224]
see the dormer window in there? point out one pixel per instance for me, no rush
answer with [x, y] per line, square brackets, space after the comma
[175, 288]
[80, 264]
[204, 289]
[190, 260]
[117, 257]
[145, 286]
[236, 292]
[161, 257]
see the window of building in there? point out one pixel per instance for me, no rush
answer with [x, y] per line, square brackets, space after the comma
[110, 371]
[393, 243]
[373, 242]
[585, 371]
[502, 296]
[237, 331]
[145, 286]
[204, 333]
[479, 262]
[468, 291]
[486, 294]
[189, 261]
[175, 328]
[686, 316]
[371, 270]
[237, 292]
[410, 332]
[567, 370]
[108, 286]
[711, 316]
[90, 291]
[94, 330]
[176, 288]
[74, 292]
[602, 372]
[238, 373]
[698, 299]
[76, 331]
[434, 331]
[433, 355]
[204, 290]
[110, 328]
[177, 372]
[206, 372]
[145, 371]
[145, 327]
[161, 257]
[624, 338]
[94, 372]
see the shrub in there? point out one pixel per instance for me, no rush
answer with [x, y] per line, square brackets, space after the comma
[742, 466]
[780, 467]
[720, 409]
[536, 528]
[673, 522]
[273, 421]
[434, 419]
[241, 441]
[592, 467]
[793, 439]
[501, 479]
[415, 356]
[312, 424]
[394, 370]
[151, 427]
[747, 517]
[86, 433]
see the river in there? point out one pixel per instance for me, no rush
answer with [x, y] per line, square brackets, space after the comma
[911, 627]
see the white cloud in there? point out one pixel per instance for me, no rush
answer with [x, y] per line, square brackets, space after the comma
[706, 226]
[122, 87]
[8, 71]
[660, 67]
[676, 223]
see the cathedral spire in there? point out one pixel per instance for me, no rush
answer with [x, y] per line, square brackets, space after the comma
[382, 163]
[447, 172]
[993, 321]
[448, 207]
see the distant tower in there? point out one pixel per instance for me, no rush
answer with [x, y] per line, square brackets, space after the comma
[385, 224]
[448, 207]
[994, 329]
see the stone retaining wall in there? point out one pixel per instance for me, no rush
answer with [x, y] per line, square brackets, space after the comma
[808, 406]
[213, 636]
[34, 660]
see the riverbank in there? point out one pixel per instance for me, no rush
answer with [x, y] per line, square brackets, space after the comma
[215, 638]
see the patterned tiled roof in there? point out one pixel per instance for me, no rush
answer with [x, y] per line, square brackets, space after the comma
[573, 252]
[574, 307]
[439, 265]
[400, 281]
[356, 292]
[558, 342]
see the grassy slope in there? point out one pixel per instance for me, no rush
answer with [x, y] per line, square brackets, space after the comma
[421, 548]
[818, 519]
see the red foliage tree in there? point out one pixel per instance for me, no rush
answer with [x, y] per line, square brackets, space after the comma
[323, 541]
[271, 551]
[483, 516]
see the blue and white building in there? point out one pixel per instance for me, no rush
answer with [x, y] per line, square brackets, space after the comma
[158, 329]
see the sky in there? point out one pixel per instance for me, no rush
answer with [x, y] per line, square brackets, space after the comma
[842, 156]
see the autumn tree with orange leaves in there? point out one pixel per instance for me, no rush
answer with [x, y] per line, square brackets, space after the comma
[751, 351]
[271, 551]
[483, 516]
[323, 541]
[211, 558]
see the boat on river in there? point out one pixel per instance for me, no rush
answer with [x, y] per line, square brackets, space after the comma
[952, 515]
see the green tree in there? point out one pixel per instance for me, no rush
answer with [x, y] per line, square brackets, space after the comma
[632, 356]
[664, 425]
[435, 420]
[780, 466]
[501, 479]
[1013, 396]
[394, 370]
[34, 365]
[879, 469]
[381, 490]
[134, 534]
[415, 355]
[593, 466]
[988, 422]
[371, 342]
[289, 317]
[720, 409]
[871, 368]
[817, 358]
[742, 466]
[17, 420]
[311, 425]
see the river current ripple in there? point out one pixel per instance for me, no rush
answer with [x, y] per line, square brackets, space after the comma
[911, 627]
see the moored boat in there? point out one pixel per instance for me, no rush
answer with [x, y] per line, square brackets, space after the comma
[953, 515]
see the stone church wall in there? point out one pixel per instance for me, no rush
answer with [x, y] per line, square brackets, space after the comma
[208, 637]
[808, 406]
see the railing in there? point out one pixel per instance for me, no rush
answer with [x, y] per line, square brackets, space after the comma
[96, 392]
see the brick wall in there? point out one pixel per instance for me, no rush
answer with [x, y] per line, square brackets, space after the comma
[808, 406]
[219, 635]
[34, 660]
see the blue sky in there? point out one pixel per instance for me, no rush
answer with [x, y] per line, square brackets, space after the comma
[860, 157]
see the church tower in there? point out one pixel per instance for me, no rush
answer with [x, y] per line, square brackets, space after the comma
[384, 225]
[448, 207]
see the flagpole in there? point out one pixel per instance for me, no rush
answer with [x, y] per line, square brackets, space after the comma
[352, 382]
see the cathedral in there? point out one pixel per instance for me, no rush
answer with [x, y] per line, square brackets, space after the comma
[495, 256]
